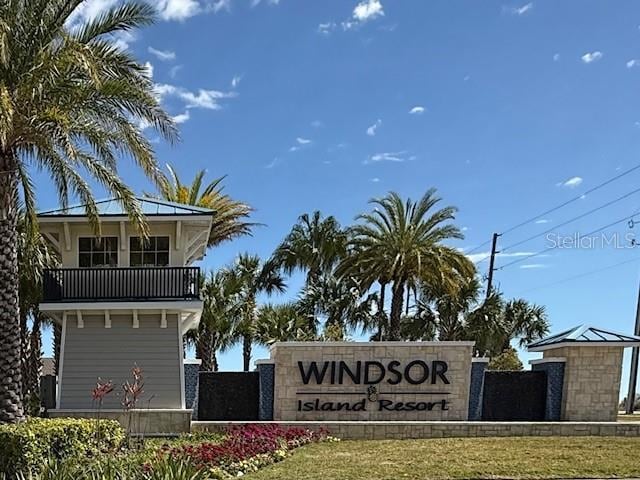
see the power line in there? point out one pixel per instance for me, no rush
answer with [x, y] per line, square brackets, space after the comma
[584, 274]
[526, 257]
[555, 227]
[575, 199]
[478, 247]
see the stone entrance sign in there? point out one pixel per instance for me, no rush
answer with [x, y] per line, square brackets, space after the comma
[371, 381]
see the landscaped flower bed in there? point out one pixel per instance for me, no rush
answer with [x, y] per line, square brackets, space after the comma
[245, 449]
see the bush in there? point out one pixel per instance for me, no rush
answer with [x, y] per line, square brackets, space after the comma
[24, 447]
[507, 360]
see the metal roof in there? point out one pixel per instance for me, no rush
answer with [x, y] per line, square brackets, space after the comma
[584, 335]
[113, 208]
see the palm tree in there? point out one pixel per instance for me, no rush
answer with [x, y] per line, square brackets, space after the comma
[71, 102]
[314, 246]
[402, 242]
[282, 323]
[254, 278]
[516, 319]
[217, 330]
[229, 220]
[34, 255]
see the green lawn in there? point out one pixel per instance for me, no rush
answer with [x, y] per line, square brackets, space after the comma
[524, 457]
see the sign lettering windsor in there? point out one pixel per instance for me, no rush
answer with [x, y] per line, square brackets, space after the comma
[378, 380]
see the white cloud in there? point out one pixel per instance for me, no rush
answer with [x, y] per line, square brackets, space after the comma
[633, 63]
[235, 81]
[417, 110]
[590, 57]
[484, 256]
[520, 10]
[572, 182]
[542, 221]
[303, 141]
[326, 28]
[255, 3]
[207, 99]
[174, 70]
[363, 12]
[183, 117]
[294, 148]
[149, 69]
[216, 5]
[177, 9]
[164, 55]
[556, 57]
[368, 10]
[375, 180]
[276, 161]
[372, 130]
[532, 266]
[396, 157]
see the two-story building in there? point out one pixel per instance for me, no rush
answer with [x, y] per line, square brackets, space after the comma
[125, 301]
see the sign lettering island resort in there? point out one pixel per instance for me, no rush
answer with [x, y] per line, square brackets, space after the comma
[366, 381]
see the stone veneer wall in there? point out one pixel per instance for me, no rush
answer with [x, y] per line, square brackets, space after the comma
[555, 383]
[403, 430]
[190, 382]
[288, 384]
[266, 369]
[476, 388]
[591, 382]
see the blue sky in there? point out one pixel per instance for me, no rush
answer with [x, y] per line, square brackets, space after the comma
[507, 108]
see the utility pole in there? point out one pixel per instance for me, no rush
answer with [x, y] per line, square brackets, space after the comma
[494, 244]
[633, 375]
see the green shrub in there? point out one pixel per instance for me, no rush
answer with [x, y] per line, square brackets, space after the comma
[24, 447]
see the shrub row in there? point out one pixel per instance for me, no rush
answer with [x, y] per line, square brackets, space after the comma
[25, 447]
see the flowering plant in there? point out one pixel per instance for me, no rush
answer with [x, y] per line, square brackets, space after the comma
[245, 448]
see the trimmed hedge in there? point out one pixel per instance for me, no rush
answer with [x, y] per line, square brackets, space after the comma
[25, 446]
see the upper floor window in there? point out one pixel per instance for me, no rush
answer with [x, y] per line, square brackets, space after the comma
[97, 252]
[153, 252]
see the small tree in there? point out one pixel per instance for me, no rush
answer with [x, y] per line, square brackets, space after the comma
[507, 360]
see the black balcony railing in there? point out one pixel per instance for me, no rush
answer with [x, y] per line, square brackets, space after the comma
[121, 284]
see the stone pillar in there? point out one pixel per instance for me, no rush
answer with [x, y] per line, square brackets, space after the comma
[191, 375]
[591, 387]
[266, 370]
[476, 387]
[554, 367]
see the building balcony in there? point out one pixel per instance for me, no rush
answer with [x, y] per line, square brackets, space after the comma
[134, 284]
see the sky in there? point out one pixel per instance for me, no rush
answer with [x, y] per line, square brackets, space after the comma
[507, 108]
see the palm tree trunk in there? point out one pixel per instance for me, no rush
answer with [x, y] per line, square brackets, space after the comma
[246, 351]
[204, 348]
[11, 408]
[396, 310]
[57, 341]
[214, 362]
[381, 314]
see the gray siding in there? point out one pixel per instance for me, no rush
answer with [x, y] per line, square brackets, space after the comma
[110, 353]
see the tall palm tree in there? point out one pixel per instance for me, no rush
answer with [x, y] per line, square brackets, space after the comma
[217, 330]
[229, 221]
[34, 255]
[314, 246]
[402, 241]
[71, 102]
[255, 278]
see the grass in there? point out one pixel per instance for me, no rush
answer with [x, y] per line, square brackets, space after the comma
[516, 457]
